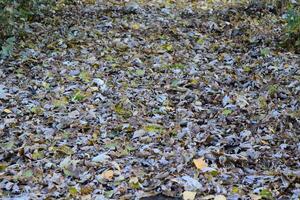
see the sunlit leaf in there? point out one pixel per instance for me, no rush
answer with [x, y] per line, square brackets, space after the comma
[188, 195]
[200, 163]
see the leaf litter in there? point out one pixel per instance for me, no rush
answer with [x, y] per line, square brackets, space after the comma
[150, 100]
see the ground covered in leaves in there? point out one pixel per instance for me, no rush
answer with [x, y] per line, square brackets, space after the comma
[133, 100]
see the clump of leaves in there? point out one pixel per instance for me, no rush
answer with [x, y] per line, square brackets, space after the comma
[122, 111]
[14, 15]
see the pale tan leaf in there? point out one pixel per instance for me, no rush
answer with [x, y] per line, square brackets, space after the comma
[109, 174]
[220, 197]
[188, 195]
[200, 163]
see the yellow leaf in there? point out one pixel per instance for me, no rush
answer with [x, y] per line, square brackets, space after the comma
[73, 191]
[135, 26]
[168, 47]
[7, 111]
[109, 174]
[220, 197]
[187, 195]
[200, 163]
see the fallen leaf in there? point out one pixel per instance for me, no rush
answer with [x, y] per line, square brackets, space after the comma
[109, 174]
[220, 197]
[200, 163]
[7, 111]
[134, 183]
[65, 150]
[135, 26]
[101, 158]
[188, 195]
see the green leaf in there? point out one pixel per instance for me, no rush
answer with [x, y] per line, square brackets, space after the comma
[264, 193]
[272, 90]
[78, 96]
[73, 191]
[109, 194]
[37, 155]
[37, 110]
[247, 69]
[214, 173]
[201, 41]
[227, 112]
[140, 72]
[153, 128]
[120, 110]
[85, 76]
[167, 47]
[59, 103]
[175, 83]
[235, 189]
[3, 166]
[134, 183]
[265, 52]
[8, 145]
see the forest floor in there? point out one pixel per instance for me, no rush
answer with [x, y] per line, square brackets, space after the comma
[151, 101]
